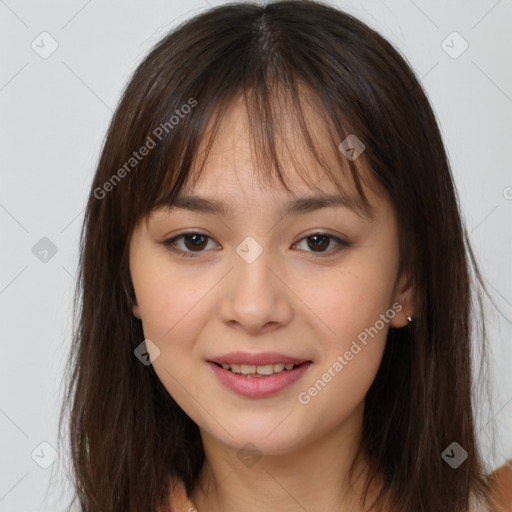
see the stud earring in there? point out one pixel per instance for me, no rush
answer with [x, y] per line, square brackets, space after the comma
[409, 319]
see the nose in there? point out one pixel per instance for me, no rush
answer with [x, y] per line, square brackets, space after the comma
[255, 296]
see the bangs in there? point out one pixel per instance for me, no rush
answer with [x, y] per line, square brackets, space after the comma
[289, 128]
[310, 109]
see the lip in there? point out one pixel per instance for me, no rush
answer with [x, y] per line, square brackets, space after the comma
[259, 387]
[260, 359]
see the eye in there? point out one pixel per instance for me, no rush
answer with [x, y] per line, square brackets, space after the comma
[318, 242]
[192, 240]
[195, 243]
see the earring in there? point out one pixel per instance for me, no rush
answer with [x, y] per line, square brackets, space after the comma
[409, 319]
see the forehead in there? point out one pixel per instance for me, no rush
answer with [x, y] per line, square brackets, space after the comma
[236, 143]
[230, 167]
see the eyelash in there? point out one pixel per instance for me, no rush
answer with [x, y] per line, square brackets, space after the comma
[169, 244]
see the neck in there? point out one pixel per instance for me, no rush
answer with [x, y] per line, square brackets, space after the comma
[314, 476]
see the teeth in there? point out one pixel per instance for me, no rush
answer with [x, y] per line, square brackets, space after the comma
[253, 370]
[247, 368]
[267, 369]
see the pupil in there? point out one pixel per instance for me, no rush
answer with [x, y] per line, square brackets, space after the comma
[316, 243]
[194, 237]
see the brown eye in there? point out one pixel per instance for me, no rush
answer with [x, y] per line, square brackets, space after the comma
[319, 242]
[195, 241]
[192, 243]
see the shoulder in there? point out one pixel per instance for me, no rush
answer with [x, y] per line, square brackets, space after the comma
[501, 481]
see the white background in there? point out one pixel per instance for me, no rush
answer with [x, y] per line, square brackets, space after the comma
[54, 115]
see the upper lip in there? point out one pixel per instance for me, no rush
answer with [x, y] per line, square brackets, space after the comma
[260, 359]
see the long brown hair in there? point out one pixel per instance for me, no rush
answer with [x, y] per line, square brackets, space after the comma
[127, 434]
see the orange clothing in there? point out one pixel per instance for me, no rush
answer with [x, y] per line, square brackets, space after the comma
[503, 479]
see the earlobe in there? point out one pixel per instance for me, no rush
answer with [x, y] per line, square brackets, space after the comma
[136, 311]
[405, 297]
[401, 319]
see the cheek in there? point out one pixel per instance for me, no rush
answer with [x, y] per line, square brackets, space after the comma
[351, 329]
[170, 320]
[337, 390]
[172, 308]
[347, 302]
[350, 311]
[167, 300]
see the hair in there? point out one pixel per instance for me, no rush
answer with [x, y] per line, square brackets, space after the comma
[128, 436]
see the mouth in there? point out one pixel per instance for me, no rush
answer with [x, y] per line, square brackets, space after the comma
[259, 381]
[259, 371]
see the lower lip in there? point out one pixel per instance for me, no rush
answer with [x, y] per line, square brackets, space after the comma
[259, 387]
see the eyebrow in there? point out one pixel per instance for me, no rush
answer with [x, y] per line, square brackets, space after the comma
[298, 206]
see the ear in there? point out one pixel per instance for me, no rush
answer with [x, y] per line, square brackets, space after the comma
[136, 311]
[404, 295]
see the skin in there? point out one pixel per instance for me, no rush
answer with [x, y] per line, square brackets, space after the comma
[290, 300]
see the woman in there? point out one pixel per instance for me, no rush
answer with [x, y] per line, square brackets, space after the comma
[275, 280]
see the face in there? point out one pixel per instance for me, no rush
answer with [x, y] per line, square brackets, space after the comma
[258, 288]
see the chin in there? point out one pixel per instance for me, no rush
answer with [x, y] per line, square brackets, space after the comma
[275, 437]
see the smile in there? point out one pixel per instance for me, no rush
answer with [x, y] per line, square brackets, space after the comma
[252, 370]
[258, 381]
